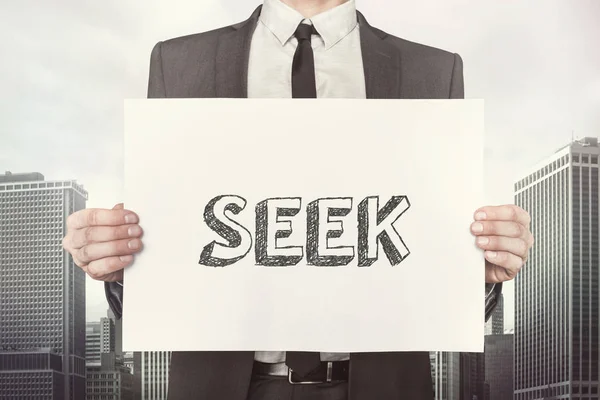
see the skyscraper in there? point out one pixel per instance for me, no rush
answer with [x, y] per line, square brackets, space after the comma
[100, 337]
[499, 366]
[42, 292]
[93, 343]
[151, 374]
[118, 332]
[107, 335]
[557, 298]
[110, 379]
[472, 376]
[445, 372]
[107, 375]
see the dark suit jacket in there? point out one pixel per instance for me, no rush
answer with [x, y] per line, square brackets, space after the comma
[215, 64]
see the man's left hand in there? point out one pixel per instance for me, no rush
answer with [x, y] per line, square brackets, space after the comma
[503, 232]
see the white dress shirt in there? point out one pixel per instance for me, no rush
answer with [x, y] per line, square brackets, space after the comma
[339, 71]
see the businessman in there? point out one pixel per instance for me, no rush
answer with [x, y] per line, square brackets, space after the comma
[297, 49]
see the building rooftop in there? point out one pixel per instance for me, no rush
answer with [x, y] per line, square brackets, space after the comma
[584, 142]
[34, 181]
[21, 177]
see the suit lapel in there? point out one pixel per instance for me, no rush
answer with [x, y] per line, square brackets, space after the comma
[233, 52]
[381, 62]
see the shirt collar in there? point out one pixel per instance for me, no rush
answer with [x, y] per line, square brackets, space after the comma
[333, 25]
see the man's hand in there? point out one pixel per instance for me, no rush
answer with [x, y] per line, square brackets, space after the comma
[102, 242]
[503, 232]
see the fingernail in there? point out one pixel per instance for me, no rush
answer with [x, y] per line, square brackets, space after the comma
[134, 230]
[480, 216]
[491, 254]
[477, 227]
[483, 240]
[134, 244]
[131, 219]
[126, 258]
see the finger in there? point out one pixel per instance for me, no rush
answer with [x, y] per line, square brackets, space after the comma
[107, 267]
[97, 251]
[78, 262]
[496, 274]
[530, 240]
[499, 228]
[97, 234]
[119, 206]
[100, 217]
[508, 212]
[112, 277]
[516, 246]
[510, 262]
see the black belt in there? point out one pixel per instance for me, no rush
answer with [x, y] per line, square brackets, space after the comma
[328, 371]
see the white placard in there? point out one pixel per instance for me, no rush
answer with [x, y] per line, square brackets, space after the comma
[421, 159]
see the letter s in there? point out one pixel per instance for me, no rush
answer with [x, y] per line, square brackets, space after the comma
[239, 240]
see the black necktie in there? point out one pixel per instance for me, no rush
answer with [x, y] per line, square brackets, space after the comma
[303, 67]
[303, 86]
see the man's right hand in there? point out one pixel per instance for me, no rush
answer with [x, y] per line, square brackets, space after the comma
[102, 242]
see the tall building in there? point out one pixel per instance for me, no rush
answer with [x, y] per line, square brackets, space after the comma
[108, 377]
[109, 380]
[31, 375]
[495, 325]
[445, 372]
[101, 337]
[499, 366]
[42, 292]
[151, 374]
[117, 333]
[556, 297]
[472, 376]
[93, 343]
[107, 335]
[128, 361]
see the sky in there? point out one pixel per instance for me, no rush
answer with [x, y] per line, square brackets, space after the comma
[67, 66]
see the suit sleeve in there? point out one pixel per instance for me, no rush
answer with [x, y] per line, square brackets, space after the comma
[457, 91]
[457, 84]
[156, 80]
[156, 89]
[492, 294]
[114, 296]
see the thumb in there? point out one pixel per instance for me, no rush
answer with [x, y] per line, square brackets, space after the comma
[119, 206]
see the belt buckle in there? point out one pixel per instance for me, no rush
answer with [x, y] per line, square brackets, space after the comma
[327, 379]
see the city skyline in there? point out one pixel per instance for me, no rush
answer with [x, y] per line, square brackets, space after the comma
[567, 183]
[534, 63]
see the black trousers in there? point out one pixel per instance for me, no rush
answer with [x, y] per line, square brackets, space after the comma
[278, 388]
